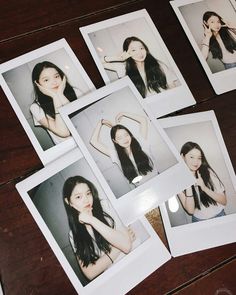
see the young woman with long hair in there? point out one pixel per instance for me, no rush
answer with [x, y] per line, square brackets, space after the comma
[132, 155]
[206, 199]
[219, 39]
[149, 75]
[52, 90]
[95, 238]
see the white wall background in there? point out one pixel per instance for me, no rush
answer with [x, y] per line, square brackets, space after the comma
[203, 133]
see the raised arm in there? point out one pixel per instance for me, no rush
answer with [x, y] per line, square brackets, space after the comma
[187, 200]
[95, 140]
[141, 120]
[115, 63]
[206, 41]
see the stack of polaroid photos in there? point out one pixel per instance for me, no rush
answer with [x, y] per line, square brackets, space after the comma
[109, 162]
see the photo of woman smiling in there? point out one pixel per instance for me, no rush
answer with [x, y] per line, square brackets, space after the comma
[97, 240]
[149, 75]
[219, 39]
[206, 199]
[52, 91]
[132, 155]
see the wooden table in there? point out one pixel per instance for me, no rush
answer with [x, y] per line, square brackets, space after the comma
[27, 264]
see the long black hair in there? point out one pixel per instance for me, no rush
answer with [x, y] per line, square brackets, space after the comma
[227, 38]
[143, 162]
[156, 78]
[82, 239]
[45, 101]
[204, 170]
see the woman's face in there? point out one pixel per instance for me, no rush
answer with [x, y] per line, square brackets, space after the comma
[50, 79]
[137, 51]
[81, 198]
[193, 159]
[214, 23]
[122, 138]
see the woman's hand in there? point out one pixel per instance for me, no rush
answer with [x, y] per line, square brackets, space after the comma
[45, 91]
[62, 86]
[207, 31]
[200, 181]
[125, 55]
[106, 123]
[189, 192]
[86, 216]
[119, 117]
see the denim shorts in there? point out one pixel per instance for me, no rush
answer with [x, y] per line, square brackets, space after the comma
[230, 66]
[195, 219]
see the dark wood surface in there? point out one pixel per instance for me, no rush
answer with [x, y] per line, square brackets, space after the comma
[27, 264]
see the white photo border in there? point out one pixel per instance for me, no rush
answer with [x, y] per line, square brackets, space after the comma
[57, 150]
[127, 267]
[162, 103]
[222, 81]
[192, 237]
[153, 192]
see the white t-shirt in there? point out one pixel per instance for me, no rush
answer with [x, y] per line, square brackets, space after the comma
[212, 210]
[39, 114]
[228, 57]
[147, 150]
[118, 225]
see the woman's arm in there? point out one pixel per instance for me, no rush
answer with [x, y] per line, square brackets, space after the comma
[116, 63]
[187, 200]
[219, 197]
[206, 41]
[93, 270]
[120, 239]
[143, 124]
[57, 125]
[95, 138]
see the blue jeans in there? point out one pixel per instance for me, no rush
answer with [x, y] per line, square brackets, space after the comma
[222, 213]
[230, 66]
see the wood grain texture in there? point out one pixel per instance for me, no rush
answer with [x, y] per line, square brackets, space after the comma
[27, 264]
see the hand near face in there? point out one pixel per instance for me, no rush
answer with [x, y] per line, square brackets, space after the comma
[200, 181]
[52, 93]
[45, 91]
[62, 86]
[86, 216]
[207, 30]
[125, 55]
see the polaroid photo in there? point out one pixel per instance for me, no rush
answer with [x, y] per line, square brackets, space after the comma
[210, 26]
[203, 215]
[37, 84]
[126, 148]
[130, 45]
[99, 253]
